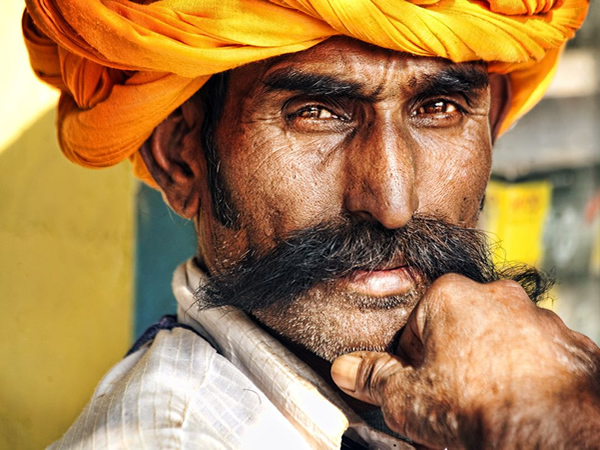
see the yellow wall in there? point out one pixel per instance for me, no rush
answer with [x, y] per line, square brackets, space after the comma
[65, 262]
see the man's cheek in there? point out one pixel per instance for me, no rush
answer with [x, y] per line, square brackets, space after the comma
[451, 184]
[295, 189]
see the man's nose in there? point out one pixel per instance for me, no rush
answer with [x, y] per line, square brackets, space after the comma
[380, 170]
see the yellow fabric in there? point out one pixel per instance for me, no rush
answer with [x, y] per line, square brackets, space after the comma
[124, 66]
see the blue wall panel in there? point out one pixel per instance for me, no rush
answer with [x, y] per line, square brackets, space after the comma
[164, 240]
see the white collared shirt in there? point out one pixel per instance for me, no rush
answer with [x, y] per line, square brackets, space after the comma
[238, 388]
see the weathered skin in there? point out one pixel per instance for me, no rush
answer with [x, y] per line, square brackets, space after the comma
[478, 364]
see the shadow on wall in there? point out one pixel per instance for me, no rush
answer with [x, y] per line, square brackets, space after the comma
[65, 284]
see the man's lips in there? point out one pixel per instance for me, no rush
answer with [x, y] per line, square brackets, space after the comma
[383, 283]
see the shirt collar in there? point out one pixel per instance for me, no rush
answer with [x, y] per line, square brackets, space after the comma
[303, 397]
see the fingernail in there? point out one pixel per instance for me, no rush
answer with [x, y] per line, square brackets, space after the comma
[343, 371]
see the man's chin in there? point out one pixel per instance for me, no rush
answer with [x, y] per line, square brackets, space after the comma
[330, 321]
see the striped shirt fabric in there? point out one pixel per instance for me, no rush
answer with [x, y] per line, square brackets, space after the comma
[225, 385]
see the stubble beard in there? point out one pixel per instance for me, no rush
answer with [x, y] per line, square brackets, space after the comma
[295, 288]
[330, 323]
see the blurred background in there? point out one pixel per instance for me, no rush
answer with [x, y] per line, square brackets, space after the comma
[86, 256]
[543, 202]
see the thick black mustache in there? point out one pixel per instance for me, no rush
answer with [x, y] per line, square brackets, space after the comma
[332, 250]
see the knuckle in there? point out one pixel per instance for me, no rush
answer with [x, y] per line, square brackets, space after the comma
[509, 291]
[366, 378]
[375, 376]
[507, 285]
[449, 291]
[449, 279]
[452, 285]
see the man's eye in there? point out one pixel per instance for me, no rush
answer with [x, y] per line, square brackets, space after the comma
[437, 107]
[316, 112]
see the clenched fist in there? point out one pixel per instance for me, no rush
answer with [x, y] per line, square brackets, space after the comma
[480, 366]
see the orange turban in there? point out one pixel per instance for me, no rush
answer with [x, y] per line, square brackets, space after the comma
[123, 66]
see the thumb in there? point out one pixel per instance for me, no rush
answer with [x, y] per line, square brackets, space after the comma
[363, 375]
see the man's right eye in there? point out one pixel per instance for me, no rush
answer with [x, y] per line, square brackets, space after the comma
[316, 113]
[313, 117]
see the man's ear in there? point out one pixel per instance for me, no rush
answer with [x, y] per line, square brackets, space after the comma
[174, 158]
[501, 100]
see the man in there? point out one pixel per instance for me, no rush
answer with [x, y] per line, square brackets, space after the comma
[340, 295]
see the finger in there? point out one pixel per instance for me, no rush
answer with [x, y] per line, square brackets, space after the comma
[361, 374]
[410, 344]
[410, 407]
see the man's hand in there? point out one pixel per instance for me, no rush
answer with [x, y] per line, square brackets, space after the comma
[481, 366]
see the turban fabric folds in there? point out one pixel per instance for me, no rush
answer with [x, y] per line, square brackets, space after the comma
[123, 66]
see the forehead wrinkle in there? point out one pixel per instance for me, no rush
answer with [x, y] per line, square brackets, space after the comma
[390, 68]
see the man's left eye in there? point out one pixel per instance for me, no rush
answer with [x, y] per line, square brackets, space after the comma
[437, 107]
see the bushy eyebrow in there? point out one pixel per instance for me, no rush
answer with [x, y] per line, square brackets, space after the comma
[289, 79]
[459, 79]
[456, 79]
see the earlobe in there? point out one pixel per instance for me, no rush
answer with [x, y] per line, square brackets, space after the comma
[174, 158]
[501, 100]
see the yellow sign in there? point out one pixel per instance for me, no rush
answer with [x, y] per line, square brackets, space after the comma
[515, 214]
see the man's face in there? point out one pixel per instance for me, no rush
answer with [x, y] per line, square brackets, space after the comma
[347, 130]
